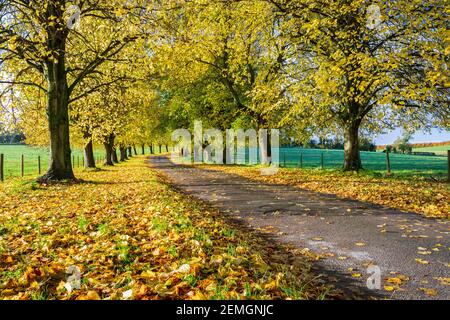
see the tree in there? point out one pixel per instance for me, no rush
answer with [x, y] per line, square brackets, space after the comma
[37, 36]
[218, 59]
[402, 144]
[352, 69]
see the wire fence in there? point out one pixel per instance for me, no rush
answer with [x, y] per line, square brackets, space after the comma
[375, 161]
[23, 161]
[26, 165]
[33, 162]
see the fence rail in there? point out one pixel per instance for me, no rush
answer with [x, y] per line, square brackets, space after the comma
[381, 162]
[24, 165]
[28, 162]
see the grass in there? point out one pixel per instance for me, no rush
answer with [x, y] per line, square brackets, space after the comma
[126, 230]
[405, 165]
[13, 154]
[402, 165]
[375, 162]
[439, 150]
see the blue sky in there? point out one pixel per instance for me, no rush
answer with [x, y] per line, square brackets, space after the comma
[435, 136]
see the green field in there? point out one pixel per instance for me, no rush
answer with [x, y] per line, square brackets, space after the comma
[374, 161]
[289, 157]
[439, 150]
[13, 155]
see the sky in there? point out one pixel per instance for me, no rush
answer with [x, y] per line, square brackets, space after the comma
[435, 136]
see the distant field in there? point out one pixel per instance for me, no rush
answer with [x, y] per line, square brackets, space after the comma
[333, 159]
[375, 161]
[13, 154]
[440, 150]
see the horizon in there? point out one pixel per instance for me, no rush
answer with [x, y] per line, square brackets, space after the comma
[435, 136]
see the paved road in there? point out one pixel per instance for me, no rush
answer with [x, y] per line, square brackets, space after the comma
[350, 234]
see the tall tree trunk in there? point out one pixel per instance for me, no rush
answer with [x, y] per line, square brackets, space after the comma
[58, 119]
[352, 157]
[114, 155]
[143, 149]
[151, 149]
[123, 153]
[167, 148]
[89, 159]
[226, 152]
[160, 149]
[109, 147]
[130, 152]
[134, 149]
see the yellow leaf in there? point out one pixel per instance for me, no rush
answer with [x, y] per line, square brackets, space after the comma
[396, 281]
[421, 261]
[429, 292]
[389, 288]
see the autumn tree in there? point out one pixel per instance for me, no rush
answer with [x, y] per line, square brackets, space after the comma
[366, 64]
[40, 38]
[218, 58]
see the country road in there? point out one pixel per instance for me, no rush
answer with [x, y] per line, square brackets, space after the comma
[351, 235]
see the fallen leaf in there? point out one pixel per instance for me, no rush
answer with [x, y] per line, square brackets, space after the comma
[429, 292]
[421, 261]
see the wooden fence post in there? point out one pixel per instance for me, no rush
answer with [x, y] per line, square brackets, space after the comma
[2, 175]
[284, 159]
[39, 164]
[322, 161]
[301, 160]
[388, 163]
[22, 166]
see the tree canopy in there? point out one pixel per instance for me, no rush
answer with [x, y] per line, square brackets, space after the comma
[122, 73]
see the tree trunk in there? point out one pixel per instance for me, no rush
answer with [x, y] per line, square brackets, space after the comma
[143, 149]
[114, 156]
[135, 151]
[352, 157]
[123, 154]
[226, 154]
[109, 145]
[130, 152]
[160, 149]
[151, 149]
[167, 148]
[108, 155]
[89, 159]
[58, 119]
[60, 167]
